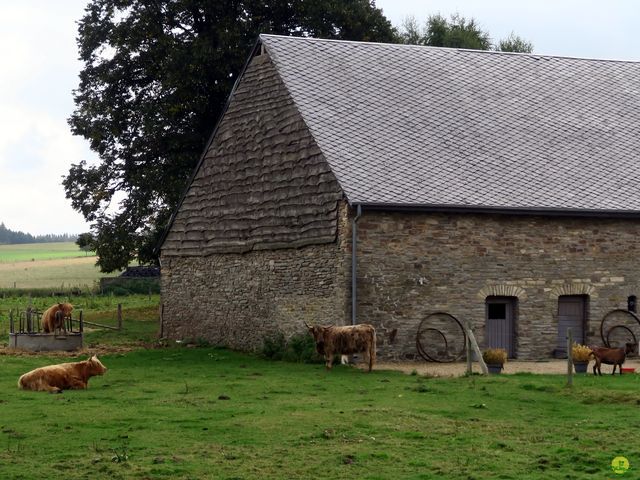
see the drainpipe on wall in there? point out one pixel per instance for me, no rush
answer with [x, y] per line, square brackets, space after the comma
[354, 262]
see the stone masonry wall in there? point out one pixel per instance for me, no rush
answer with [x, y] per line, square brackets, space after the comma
[410, 265]
[237, 300]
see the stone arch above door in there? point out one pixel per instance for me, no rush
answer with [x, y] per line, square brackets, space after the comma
[502, 291]
[572, 289]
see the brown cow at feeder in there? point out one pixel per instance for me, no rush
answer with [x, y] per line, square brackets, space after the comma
[334, 340]
[53, 317]
[64, 376]
[611, 356]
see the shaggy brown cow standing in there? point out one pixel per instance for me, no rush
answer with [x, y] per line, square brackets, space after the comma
[610, 356]
[64, 376]
[51, 322]
[332, 340]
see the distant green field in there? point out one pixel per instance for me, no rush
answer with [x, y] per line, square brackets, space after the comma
[40, 251]
[47, 265]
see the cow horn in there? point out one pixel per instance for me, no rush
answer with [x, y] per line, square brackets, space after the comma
[307, 325]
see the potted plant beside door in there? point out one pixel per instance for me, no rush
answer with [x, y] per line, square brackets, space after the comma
[580, 356]
[495, 359]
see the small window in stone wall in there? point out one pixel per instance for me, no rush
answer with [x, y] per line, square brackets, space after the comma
[496, 311]
[631, 303]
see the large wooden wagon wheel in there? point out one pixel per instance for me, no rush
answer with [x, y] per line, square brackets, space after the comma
[621, 327]
[619, 322]
[441, 338]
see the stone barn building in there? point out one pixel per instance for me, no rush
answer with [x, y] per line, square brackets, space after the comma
[362, 182]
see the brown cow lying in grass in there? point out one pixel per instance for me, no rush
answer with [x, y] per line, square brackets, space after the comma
[610, 356]
[52, 322]
[64, 376]
[332, 340]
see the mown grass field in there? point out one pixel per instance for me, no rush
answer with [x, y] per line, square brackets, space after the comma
[39, 251]
[196, 413]
[47, 265]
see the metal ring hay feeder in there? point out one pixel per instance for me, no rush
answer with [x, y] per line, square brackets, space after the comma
[617, 328]
[25, 332]
[441, 338]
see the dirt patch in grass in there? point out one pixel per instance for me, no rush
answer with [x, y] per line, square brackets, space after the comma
[458, 369]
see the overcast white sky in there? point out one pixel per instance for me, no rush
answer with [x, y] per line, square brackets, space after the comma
[576, 28]
[40, 69]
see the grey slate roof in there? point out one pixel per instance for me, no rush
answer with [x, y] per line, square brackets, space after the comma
[407, 125]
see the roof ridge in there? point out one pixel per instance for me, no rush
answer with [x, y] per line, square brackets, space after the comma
[469, 50]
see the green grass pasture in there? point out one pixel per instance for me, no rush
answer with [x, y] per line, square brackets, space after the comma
[205, 413]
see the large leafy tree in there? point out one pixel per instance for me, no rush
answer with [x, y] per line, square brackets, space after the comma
[457, 32]
[155, 79]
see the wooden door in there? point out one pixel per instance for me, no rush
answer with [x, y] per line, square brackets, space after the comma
[500, 324]
[572, 313]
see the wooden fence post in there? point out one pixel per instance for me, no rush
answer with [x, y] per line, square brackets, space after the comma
[569, 358]
[119, 316]
[468, 349]
[474, 345]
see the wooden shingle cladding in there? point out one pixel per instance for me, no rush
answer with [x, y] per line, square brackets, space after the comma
[263, 184]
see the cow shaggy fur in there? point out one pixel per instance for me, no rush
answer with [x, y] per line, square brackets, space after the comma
[64, 376]
[51, 322]
[334, 340]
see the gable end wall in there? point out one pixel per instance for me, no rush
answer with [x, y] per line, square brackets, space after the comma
[259, 244]
[263, 183]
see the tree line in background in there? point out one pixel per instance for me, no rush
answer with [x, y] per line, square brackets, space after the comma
[457, 32]
[10, 237]
[155, 80]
